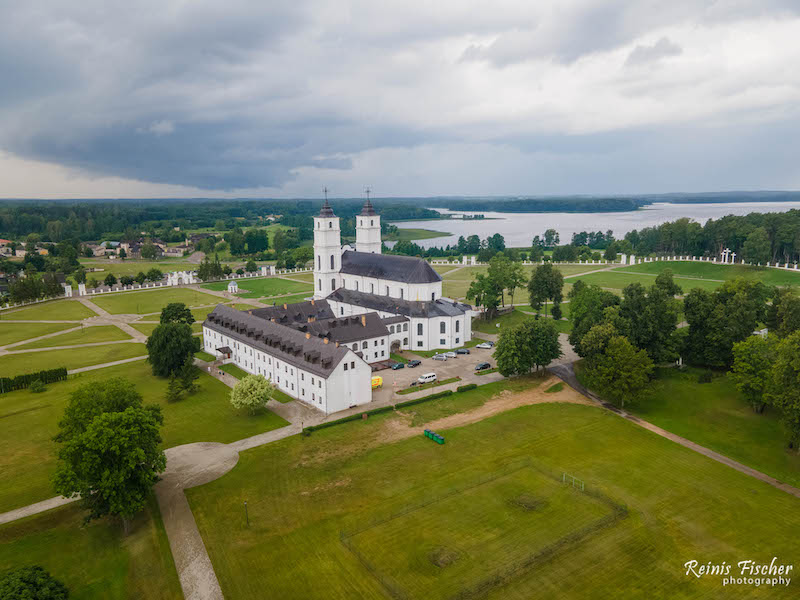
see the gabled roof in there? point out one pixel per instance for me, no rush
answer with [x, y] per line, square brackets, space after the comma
[398, 306]
[284, 343]
[299, 312]
[404, 269]
[347, 329]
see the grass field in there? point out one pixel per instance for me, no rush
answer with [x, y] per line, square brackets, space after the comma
[715, 415]
[425, 386]
[29, 362]
[456, 284]
[305, 493]
[442, 269]
[85, 335]
[428, 353]
[95, 561]
[702, 270]
[11, 333]
[411, 234]
[307, 277]
[30, 420]
[147, 328]
[134, 267]
[287, 299]
[511, 319]
[152, 301]
[58, 310]
[257, 288]
[232, 369]
[617, 280]
[204, 356]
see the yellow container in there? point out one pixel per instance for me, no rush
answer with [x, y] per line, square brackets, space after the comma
[377, 382]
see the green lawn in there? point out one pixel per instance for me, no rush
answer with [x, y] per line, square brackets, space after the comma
[411, 234]
[95, 561]
[428, 353]
[133, 267]
[265, 286]
[307, 277]
[508, 320]
[715, 415]
[442, 269]
[58, 310]
[618, 279]
[29, 362]
[307, 494]
[30, 420]
[281, 396]
[85, 335]
[425, 386]
[293, 299]
[398, 358]
[703, 270]
[232, 369]
[204, 356]
[11, 333]
[147, 328]
[152, 301]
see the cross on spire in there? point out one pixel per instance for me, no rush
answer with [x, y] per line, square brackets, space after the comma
[367, 191]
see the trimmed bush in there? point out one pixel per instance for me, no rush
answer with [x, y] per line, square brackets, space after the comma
[8, 384]
[37, 387]
[467, 387]
[425, 399]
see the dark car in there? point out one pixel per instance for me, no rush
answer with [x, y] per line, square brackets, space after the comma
[462, 351]
[482, 366]
[398, 366]
[413, 363]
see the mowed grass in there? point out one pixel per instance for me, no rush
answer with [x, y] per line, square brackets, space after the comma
[29, 421]
[303, 493]
[716, 416]
[134, 267]
[32, 361]
[511, 319]
[287, 299]
[58, 310]
[232, 369]
[617, 280]
[85, 335]
[151, 301]
[257, 288]
[147, 328]
[456, 284]
[95, 561]
[11, 333]
[704, 270]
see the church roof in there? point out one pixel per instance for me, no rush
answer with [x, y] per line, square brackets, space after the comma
[399, 306]
[326, 211]
[367, 210]
[298, 312]
[405, 269]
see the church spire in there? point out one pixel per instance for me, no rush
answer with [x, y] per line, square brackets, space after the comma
[326, 211]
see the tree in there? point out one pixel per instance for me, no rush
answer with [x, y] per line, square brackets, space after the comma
[587, 308]
[149, 251]
[173, 393]
[256, 240]
[169, 346]
[545, 284]
[551, 238]
[752, 363]
[784, 389]
[154, 275]
[485, 292]
[251, 266]
[252, 392]
[531, 344]
[783, 315]
[109, 451]
[756, 247]
[652, 318]
[611, 252]
[515, 278]
[110, 280]
[123, 254]
[140, 278]
[594, 343]
[621, 372]
[126, 280]
[176, 312]
[32, 583]
[188, 376]
[79, 275]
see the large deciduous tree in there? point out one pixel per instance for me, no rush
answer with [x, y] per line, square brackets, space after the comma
[784, 392]
[752, 363]
[486, 293]
[169, 347]
[530, 345]
[586, 308]
[545, 284]
[176, 312]
[252, 393]
[31, 583]
[109, 449]
[756, 247]
[621, 372]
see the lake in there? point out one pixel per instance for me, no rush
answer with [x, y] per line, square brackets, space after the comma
[518, 229]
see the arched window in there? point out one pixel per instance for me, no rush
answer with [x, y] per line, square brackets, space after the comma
[391, 328]
[355, 346]
[405, 341]
[364, 345]
[419, 328]
[330, 224]
[458, 326]
[356, 285]
[333, 284]
[319, 262]
[441, 327]
[332, 261]
[320, 285]
[405, 326]
[371, 288]
[433, 296]
[371, 222]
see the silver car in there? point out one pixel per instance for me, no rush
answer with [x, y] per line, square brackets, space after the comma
[484, 346]
[451, 355]
[439, 357]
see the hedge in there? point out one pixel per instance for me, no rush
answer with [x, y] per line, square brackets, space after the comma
[8, 384]
[425, 399]
[466, 388]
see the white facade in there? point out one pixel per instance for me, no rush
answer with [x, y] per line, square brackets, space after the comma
[368, 233]
[327, 255]
[347, 385]
[422, 292]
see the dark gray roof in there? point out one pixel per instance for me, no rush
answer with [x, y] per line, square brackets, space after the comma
[346, 329]
[431, 308]
[395, 319]
[326, 210]
[368, 210]
[405, 269]
[299, 312]
[289, 345]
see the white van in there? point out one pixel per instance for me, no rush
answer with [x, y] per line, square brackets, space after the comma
[427, 378]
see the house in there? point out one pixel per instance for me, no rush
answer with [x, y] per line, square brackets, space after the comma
[176, 251]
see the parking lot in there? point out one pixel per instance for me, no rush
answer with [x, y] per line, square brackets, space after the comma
[463, 366]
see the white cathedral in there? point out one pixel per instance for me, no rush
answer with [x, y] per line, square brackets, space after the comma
[406, 292]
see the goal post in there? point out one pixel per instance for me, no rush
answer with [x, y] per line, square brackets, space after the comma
[573, 481]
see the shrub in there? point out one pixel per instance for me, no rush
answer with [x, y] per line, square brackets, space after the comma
[8, 384]
[37, 387]
[31, 582]
[467, 387]
[705, 377]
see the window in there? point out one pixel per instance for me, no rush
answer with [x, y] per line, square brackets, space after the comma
[371, 288]
[364, 345]
[319, 262]
[302, 376]
[345, 366]
[320, 285]
[405, 326]
[320, 383]
[356, 286]
[292, 387]
[341, 310]
[391, 328]
[383, 352]
[442, 327]
[419, 344]
[442, 342]
[457, 340]
[355, 346]
[353, 365]
[302, 391]
[330, 224]
[371, 222]
[401, 292]
[331, 261]
[375, 343]
[312, 381]
[333, 284]
[419, 328]
[313, 398]
[433, 296]
[383, 342]
[405, 341]
[387, 290]
[458, 326]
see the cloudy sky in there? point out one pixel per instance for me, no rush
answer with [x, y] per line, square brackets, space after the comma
[253, 98]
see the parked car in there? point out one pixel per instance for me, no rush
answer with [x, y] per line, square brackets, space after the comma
[462, 351]
[397, 366]
[427, 378]
[439, 357]
[413, 363]
[484, 346]
[482, 366]
[451, 355]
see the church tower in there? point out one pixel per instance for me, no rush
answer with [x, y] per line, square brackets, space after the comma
[327, 252]
[368, 230]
